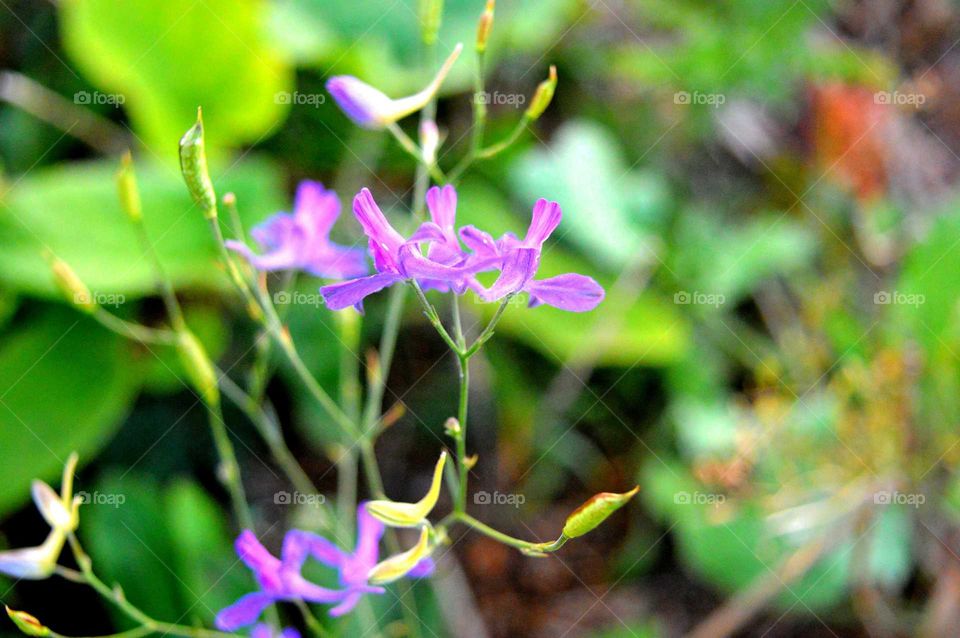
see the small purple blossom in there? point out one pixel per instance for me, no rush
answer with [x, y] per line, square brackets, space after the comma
[444, 266]
[301, 240]
[435, 258]
[281, 579]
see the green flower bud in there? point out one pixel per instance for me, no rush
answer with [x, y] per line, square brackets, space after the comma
[127, 189]
[193, 166]
[595, 511]
[431, 15]
[71, 286]
[485, 26]
[27, 623]
[198, 367]
[543, 96]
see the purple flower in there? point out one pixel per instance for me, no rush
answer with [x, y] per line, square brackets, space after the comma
[518, 261]
[434, 257]
[444, 266]
[281, 579]
[301, 240]
[262, 630]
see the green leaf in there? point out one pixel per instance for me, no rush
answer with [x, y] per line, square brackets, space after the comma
[166, 57]
[74, 211]
[64, 386]
[125, 531]
[210, 576]
[924, 304]
[607, 207]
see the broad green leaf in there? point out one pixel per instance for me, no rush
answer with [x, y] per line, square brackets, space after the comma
[607, 207]
[65, 385]
[73, 210]
[210, 576]
[166, 57]
[125, 530]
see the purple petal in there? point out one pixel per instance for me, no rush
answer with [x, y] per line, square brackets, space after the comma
[357, 99]
[546, 217]
[422, 569]
[442, 204]
[254, 554]
[573, 292]
[262, 630]
[284, 258]
[519, 266]
[316, 207]
[352, 293]
[299, 588]
[274, 230]
[289, 632]
[384, 240]
[298, 545]
[480, 242]
[334, 261]
[347, 605]
[413, 265]
[243, 612]
[369, 532]
[428, 231]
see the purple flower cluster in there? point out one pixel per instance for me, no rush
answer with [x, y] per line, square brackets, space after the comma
[281, 579]
[433, 256]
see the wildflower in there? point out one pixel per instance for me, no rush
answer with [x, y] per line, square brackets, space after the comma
[281, 579]
[301, 240]
[396, 567]
[410, 514]
[62, 513]
[518, 262]
[371, 108]
[397, 259]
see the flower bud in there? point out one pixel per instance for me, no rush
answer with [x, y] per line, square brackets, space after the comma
[398, 566]
[34, 563]
[71, 286]
[429, 141]
[371, 108]
[452, 427]
[485, 26]
[595, 511]
[410, 514]
[27, 623]
[431, 15]
[198, 367]
[543, 96]
[127, 189]
[193, 166]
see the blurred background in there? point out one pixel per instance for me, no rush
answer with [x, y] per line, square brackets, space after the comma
[766, 188]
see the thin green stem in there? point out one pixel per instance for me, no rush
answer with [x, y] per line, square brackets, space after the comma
[503, 145]
[434, 317]
[506, 539]
[479, 121]
[487, 333]
[116, 597]
[135, 331]
[414, 151]
[388, 345]
[464, 369]
[270, 433]
[230, 469]
[164, 286]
